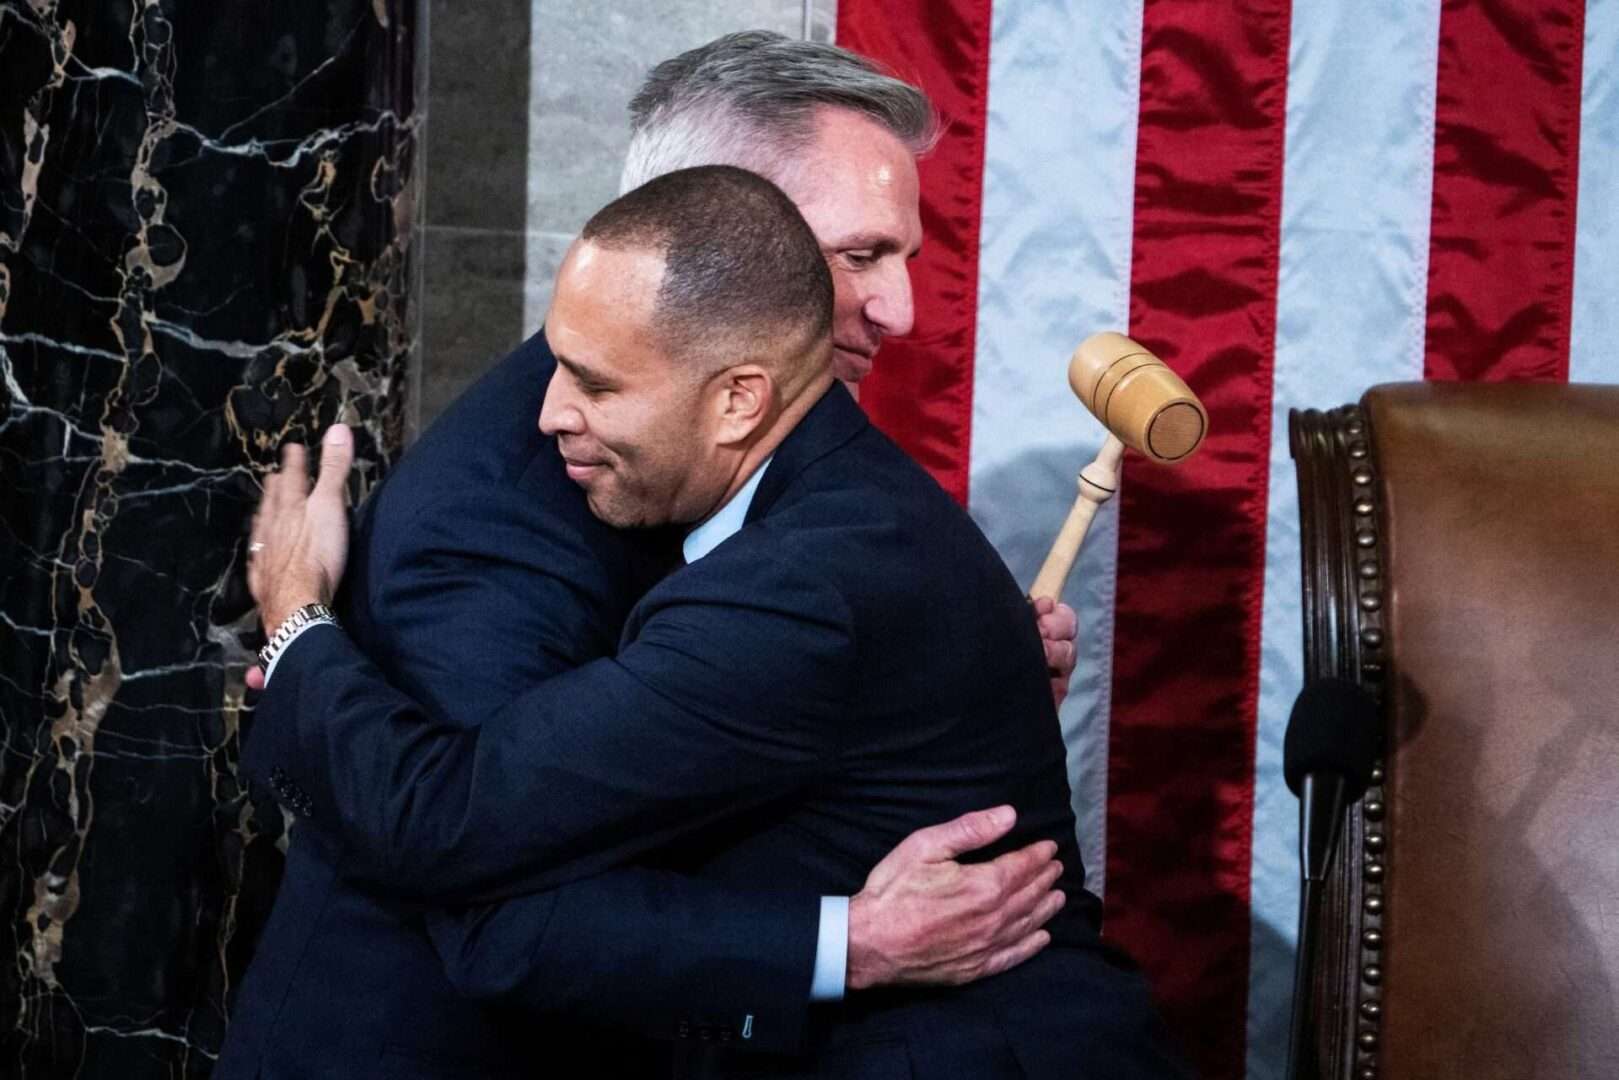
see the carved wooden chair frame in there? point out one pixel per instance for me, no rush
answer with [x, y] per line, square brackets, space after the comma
[1341, 554]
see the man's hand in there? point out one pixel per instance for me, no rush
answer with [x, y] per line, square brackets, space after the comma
[924, 918]
[1058, 628]
[300, 537]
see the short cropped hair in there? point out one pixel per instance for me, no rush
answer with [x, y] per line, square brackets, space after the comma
[742, 270]
[750, 99]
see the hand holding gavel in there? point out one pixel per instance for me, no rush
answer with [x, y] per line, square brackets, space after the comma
[1144, 406]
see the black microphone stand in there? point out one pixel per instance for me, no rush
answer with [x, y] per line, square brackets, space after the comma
[1323, 798]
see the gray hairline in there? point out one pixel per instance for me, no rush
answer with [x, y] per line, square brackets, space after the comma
[730, 111]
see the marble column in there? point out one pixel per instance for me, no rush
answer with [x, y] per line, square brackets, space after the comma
[206, 223]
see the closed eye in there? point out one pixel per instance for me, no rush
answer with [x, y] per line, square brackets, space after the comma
[861, 252]
[589, 384]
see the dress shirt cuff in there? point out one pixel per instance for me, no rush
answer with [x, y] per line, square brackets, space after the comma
[304, 629]
[831, 950]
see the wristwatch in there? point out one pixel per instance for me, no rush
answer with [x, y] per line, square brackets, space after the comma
[307, 615]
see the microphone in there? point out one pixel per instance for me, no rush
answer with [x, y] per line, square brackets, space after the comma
[1327, 758]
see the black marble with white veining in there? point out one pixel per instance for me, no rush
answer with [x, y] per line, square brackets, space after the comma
[206, 214]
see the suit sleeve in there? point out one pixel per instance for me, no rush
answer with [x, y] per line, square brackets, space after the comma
[476, 621]
[729, 698]
[641, 950]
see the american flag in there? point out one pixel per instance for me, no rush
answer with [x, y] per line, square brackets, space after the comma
[1288, 202]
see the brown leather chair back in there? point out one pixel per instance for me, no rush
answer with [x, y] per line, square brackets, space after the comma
[1461, 560]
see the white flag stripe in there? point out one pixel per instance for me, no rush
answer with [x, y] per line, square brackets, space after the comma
[1594, 350]
[1351, 307]
[1054, 266]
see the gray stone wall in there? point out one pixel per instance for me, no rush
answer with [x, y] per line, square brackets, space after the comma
[527, 100]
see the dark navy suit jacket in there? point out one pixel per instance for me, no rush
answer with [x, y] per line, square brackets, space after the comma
[854, 664]
[476, 572]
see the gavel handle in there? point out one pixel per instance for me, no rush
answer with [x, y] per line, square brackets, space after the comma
[1097, 483]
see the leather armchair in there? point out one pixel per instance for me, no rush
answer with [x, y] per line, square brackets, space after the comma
[1460, 549]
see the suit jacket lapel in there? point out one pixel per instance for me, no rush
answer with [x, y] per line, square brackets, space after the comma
[829, 424]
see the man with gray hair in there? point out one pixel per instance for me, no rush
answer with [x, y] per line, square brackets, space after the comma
[841, 137]
[752, 99]
[833, 131]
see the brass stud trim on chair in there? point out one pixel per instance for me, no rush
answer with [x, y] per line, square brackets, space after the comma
[1344, 576]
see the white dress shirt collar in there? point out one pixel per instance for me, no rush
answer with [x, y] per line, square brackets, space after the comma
[723, 523]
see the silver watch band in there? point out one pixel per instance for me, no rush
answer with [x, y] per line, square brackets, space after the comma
[307, 615]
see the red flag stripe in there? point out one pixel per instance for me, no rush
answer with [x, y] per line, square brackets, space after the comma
[921, 391]
[1192, 539]
[1506, 170]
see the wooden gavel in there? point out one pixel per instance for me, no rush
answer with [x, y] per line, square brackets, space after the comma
[1144, 406]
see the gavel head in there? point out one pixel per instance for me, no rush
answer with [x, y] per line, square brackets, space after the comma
[1137, 397]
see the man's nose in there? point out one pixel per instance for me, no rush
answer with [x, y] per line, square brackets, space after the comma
[559, 413]
[889, 306]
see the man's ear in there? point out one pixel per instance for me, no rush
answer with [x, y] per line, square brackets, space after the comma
[747, 394]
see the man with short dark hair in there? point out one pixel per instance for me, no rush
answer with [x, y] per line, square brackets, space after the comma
[676, 247]
[477, 572]
[766, 718]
